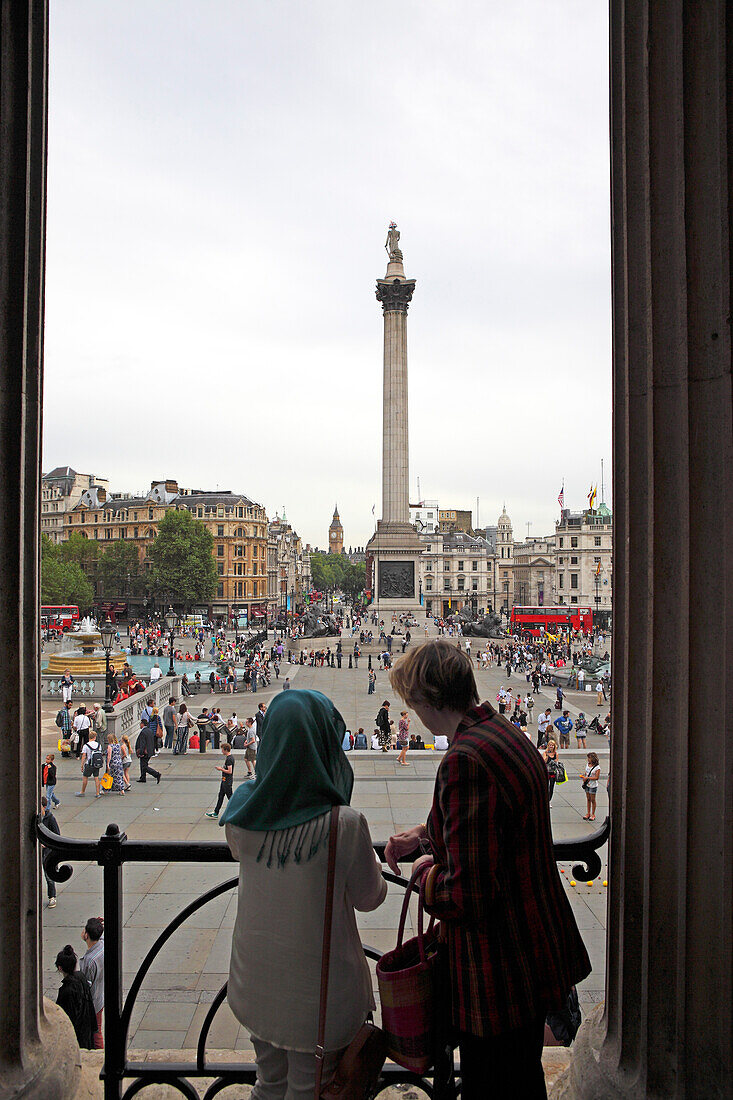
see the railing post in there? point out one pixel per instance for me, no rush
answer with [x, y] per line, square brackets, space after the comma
[115, 1042]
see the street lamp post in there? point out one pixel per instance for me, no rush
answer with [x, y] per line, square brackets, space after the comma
[170, 622]
[598, 598]
[292, 606]
[235, 612]
[107, 631]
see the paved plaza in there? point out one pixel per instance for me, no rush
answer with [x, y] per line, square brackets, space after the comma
[176, 994]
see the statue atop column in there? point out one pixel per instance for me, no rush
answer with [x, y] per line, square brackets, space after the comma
[392, 244]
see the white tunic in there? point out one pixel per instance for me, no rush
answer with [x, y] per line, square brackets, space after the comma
[275, 968]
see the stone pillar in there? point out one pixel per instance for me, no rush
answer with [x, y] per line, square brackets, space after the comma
[395, 293]
[395, 547]
[666, 1030]
[38, 1052]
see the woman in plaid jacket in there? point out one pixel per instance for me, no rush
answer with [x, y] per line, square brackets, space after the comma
[513, 944]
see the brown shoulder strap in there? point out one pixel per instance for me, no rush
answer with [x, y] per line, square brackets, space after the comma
[326, 949]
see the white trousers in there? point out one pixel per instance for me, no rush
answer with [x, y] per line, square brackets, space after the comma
[288, 1074]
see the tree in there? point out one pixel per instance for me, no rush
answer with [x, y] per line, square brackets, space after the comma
[353, 581]
[63, 581]
[323, 571]
[183, 567]
[118, 562]
[336, 571]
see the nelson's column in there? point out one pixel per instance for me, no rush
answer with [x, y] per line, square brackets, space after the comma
[394, 549]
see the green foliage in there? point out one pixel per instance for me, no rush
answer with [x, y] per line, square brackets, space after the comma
[183, 568]
[117, 562]
[80, 550]
[63, 580]
[337, 572]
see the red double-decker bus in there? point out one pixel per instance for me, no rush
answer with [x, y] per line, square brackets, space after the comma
[550, 620]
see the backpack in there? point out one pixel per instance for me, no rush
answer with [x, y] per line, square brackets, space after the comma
[97, 758]
[59, 720]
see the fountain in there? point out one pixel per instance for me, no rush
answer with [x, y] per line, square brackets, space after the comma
[88, 660]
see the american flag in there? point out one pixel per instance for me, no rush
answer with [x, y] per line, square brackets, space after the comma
[561, 497]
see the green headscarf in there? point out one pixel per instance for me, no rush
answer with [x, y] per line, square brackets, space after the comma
[302, 772]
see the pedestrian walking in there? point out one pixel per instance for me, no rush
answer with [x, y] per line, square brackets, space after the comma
[184, 724]
[91, 964]
[383, 724]
[564, 725]
[49, 780]
[599, 693]
[145, 749]
[250, 747]
[67, 686]
[227, 777]
[372, 682]
[114, 764]
[80, 735]
[403, 737]
[169, 722]
[126, 751]
[75, 997]
[590, 778]
[92, 762]
[49, 822]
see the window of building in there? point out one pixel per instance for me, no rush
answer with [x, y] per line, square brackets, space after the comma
[150, 513]
[220, 590]
[240, 513]
[597, 540]
[134, 515]
[573, 599]
[561, 580]
[574, 561]
[220, 511]
[220, 530]
[136, 531]
[199, 512]
[460, 566]
[220, 551]
[254, 588]
[574, 541]
[474, 585]
[446, 566]
[561, 542]
[461, 584]
[573, 580]
[446, 586]
[220, 568]
[428, 586]
[474, 566]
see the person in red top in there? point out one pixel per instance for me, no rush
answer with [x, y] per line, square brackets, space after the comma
[513, 945]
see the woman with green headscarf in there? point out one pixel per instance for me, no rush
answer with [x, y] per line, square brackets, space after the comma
[278, 828]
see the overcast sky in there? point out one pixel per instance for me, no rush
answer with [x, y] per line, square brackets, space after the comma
[221, 179]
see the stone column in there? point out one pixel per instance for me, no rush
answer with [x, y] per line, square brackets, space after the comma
[666, 1030]
[39, 1057]
[395, 293]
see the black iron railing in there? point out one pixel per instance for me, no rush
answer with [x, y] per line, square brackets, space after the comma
[112, 851]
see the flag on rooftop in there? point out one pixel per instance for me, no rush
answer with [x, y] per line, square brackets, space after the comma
[561, 496]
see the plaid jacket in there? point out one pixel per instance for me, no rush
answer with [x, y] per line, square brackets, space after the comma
[514, 947]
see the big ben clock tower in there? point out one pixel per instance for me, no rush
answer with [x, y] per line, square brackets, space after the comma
[335, 534]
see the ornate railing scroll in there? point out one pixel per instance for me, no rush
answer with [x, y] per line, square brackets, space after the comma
[112, 851]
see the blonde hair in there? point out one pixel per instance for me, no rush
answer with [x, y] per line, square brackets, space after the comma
[436, 674]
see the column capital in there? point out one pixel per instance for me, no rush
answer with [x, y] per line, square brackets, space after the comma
[395, 295]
